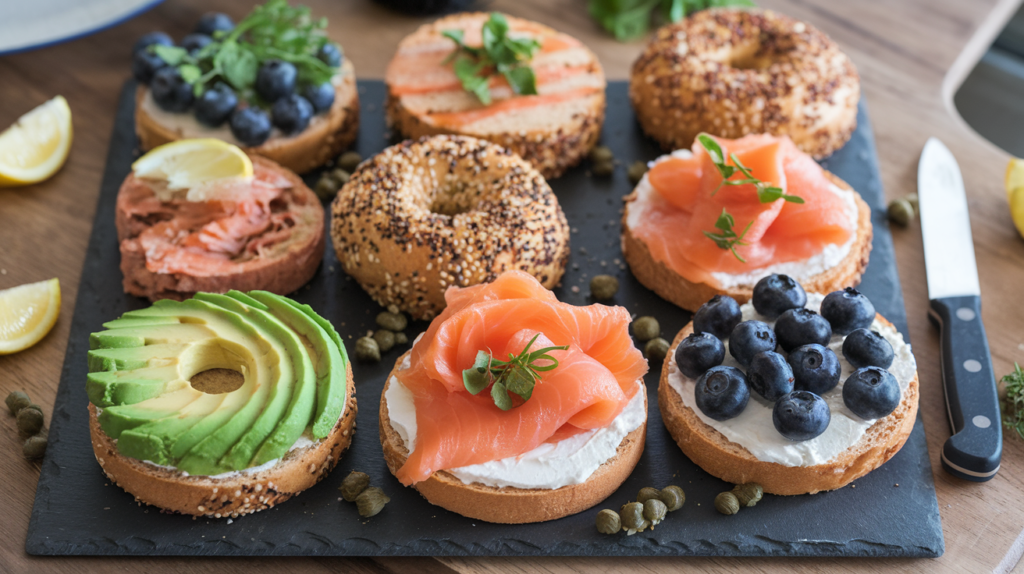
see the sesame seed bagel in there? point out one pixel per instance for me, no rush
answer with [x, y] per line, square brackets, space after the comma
[508, 505]
[228, 496]
[731, 462]
[325, 137]
[732, 72]
[675, 288]
[422, 216]
[553, 130]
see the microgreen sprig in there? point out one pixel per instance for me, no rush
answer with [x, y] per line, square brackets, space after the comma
[1013, 404]
[499, 54]
[627, 19]
[727, 238]
[765, 193]
[518, 375]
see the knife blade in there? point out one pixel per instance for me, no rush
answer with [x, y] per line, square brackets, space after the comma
[974, 450]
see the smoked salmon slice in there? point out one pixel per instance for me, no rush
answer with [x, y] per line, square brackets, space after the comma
[595, 378]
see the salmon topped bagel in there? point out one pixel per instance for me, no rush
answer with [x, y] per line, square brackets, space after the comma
[548, 107]
[688, 233]
[514, 407]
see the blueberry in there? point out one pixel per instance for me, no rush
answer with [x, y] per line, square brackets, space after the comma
[863, 348]
[698, 352]
[815, 368]
[145, 64]
[330, 54]
[721, 393]
[148, 40]
[321, 96]
[275, 80]
[719, 316]
[214, 107]
[798, 327]
[801, 415]
[776, 294]
[195, 42]
[770, 375]
[750, 338]
[871, 393]
[847, 310]
[291, 114]
[251, 126]
[170, 91]
[213, 22]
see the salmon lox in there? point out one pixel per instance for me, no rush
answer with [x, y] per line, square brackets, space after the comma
[595, 378]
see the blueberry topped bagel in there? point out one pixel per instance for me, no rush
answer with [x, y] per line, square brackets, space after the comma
[291, 98]
[795, 391]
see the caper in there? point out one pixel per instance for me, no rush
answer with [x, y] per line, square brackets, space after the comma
[392, 321]
[371, 501]
[34, 447]
[601, 153]
[16, 401]
[748, 494]
[602, 168]
[354, 484]
[646, 328]
[637, 171]
[608, 522]
[673, 497]
[656, 349]
[367, 349]
[646, 493]
[30, 421]
[604, 287]
[349, 160]
[401, 338]
[632, 516]
[727, 503]
[326, 187]
[900, 212]
[912, 200]
[341, 176]
[385, 339]
[655, 510]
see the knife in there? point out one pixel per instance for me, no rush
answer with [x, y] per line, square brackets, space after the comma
[972, 401]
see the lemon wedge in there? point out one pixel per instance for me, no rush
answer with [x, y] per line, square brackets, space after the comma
[35, 147]
[187, 163]
[1017, 209]
[27, 313]
[1014, 175]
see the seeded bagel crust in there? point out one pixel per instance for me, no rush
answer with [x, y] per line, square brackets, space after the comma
[229, 497]
[674, 288]
[508, 505]
[732, 72]
[324, 139]
[570, 129]
[422, 216]
[733, 463]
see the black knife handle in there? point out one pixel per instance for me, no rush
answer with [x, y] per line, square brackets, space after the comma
[975, 449]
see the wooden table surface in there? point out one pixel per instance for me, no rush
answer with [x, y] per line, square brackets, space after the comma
[911, 55]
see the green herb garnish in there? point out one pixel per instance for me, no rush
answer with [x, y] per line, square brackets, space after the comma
[727, 238]
[1013, 404]
[518, 375]
[274, 30]
[499, 54]
[627, 19]
[765, 193]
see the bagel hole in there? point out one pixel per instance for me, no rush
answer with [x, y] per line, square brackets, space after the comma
[217, 381]
[749, 56]
[454, 199]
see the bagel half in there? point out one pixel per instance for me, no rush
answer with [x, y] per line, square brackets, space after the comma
[676, 289]
[325, 137]
[231, 496]
[509, 505]
[720, 457]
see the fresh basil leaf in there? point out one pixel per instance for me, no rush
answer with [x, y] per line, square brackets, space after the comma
[522, 80]
[500, 396]
[190, 73]
[494, 31]
[468, 73]
[172, 55]
[455, 36]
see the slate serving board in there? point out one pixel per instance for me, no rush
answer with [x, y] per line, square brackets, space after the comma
[890, 512]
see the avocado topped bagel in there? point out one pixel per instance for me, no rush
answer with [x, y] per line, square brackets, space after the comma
[190, 449]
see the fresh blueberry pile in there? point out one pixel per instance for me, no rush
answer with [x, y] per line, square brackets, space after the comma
[791, 365]
[223, 78]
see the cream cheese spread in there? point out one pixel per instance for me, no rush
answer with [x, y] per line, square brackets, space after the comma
[647, 198]
[549, 466]
[754, 430]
